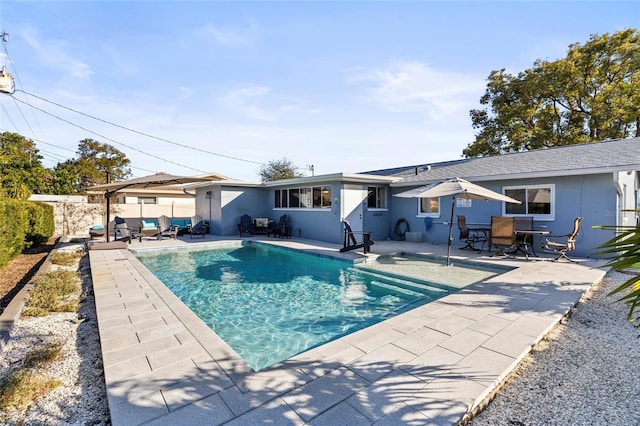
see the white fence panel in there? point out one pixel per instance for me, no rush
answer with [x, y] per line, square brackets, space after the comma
[132, 211]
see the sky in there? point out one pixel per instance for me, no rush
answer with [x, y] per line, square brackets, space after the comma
[215, 86]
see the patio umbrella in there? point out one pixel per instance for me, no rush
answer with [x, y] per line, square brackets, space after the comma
[158, 179]
[459, 188]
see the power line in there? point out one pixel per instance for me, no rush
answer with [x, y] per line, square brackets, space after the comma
[142, 133]
[107, 138]
[5, 39]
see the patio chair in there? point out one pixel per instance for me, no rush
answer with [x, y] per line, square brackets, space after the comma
[471, 236]
[502, 233]
[280, 229]
[350, 241]
[246, 225]
[166, 229]
[123, 233]
[524, 223]
[561, 248]
[198, 227]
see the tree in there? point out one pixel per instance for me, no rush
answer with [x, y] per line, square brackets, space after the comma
[95, 159]
[279, 169]
[65, 179]
[593, 94]
[21, 170]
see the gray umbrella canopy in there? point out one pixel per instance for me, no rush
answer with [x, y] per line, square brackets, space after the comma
[158, 179]
[456, 188]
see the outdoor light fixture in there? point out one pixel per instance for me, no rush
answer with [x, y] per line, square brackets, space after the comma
[208, 195]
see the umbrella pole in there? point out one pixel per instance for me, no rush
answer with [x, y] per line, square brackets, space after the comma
[453, 203]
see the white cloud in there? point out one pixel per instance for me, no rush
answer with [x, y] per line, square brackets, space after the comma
[53, 54]
[258, 102]
[413, 86]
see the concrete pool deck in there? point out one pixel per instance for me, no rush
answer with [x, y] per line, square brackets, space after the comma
[432, 365]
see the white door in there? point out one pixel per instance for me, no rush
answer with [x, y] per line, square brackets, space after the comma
[353, 199]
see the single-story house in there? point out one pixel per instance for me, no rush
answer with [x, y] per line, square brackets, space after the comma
[597, 181]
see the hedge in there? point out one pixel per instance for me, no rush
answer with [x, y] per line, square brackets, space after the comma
[22, 225]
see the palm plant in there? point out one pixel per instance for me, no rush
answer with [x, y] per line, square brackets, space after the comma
[624, 250]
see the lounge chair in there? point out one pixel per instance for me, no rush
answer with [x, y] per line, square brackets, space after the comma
[166, 229]
[561, 248]
[198, 227]
[280, 229]
[502, 233]
[246, 225]
[350, 241]
[471, 236]
[124, 233]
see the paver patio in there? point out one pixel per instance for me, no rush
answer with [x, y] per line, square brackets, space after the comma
[431, 365]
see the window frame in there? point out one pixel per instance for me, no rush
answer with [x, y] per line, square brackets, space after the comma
[283, 198]
[377, 189]
[538, 217]
[428, 214]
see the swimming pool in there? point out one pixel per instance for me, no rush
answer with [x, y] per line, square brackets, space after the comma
[269, 304]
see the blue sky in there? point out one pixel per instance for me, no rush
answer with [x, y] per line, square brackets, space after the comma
[346, 86]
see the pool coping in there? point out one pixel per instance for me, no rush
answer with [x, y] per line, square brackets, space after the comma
[436, 363]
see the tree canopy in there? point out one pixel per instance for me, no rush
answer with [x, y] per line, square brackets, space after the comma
[21, 170]
[22, 173]
[278, 169]
[95, 159]
[593, 94]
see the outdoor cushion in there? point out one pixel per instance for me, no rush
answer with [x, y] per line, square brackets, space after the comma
[181, 223]
[148, 225]
[97, 227]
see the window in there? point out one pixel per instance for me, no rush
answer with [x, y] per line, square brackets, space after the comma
[305, 198]
[294, 198]
[537, 201]
[377, 197]
[317, 197]
[147, 200]
[429, 207]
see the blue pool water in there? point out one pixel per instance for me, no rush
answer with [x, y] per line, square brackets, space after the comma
[269, 304]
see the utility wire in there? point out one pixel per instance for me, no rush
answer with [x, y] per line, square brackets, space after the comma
[17, 76]
[142, 133]
[107, 138]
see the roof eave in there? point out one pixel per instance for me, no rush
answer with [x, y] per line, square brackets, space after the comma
[527, 175]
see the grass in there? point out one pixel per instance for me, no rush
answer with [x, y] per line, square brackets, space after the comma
[66, 258]
[52, 292]
[19, 388]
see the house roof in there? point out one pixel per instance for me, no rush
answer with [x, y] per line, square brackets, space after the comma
[591, 158]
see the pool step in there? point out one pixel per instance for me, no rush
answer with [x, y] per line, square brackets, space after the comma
[396, 289]
[412, 286]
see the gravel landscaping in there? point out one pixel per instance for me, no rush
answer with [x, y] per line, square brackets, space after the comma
[583, 373]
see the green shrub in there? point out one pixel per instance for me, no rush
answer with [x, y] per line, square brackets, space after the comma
[41, 223]
[13, 229]
[23, 224]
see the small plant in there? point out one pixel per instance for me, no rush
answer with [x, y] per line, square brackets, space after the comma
[622, 252]
[66, 258]
[51, 293]
[19, 387]
[43, 356]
